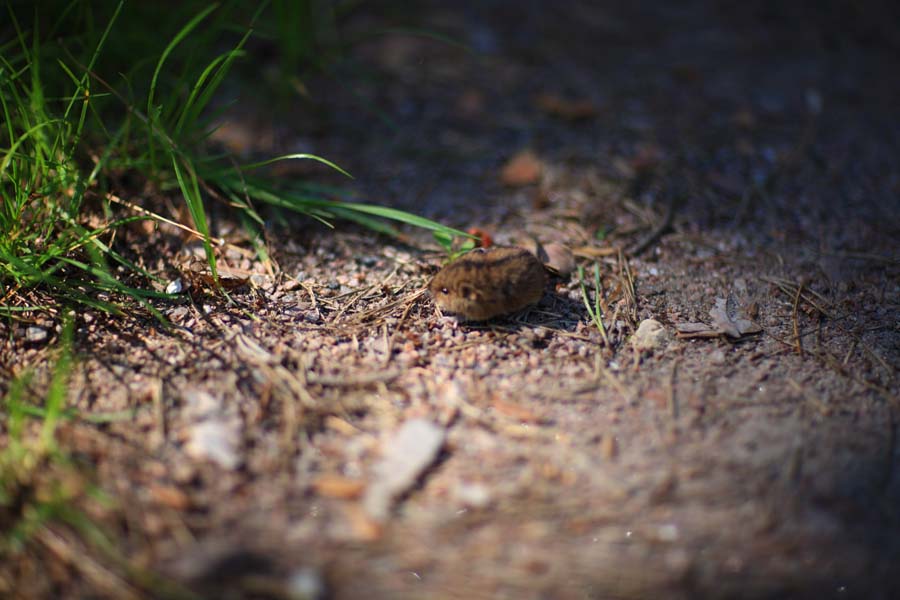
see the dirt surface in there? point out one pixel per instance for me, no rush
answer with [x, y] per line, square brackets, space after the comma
[258, 433]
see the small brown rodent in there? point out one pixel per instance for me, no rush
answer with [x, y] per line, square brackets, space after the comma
[486, 283]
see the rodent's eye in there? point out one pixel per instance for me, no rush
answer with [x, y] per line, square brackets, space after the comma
[445, 291]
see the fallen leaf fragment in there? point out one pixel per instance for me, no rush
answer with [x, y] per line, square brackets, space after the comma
[555, 256]
[594, 251]
[337, 486]
[723, 324]
[647, 158]
[516, 411]
[470, 103]
[560, 258]
[170, 496]
[609, 449]
[731, 326]
[525, 168]
[565, 108]
[405, 457]
[360, 525]
[696, 330]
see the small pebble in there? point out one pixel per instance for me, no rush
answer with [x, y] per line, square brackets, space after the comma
[650, 335]
[35, 334]
[305, 584]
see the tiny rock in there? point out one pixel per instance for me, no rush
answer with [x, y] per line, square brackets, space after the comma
[175, 286]
[650, 335]
[306, 584]
[35, 334]
[216, 440]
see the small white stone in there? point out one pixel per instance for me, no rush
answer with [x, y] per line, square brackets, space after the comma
[472, 495]
[175, 286]
[305, 584]
[650, 335]
[35, 334]
[215, 440]
[667, 532]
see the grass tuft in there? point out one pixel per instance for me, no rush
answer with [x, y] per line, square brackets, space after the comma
[97, 92]
[595, 308]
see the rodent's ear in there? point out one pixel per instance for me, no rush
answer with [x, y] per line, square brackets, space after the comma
[467, 291]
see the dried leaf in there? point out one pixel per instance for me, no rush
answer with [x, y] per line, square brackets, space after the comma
[525, 168]
[558, 106]
[516, 411]
[170, 496]
[337, 486]
[724, 320]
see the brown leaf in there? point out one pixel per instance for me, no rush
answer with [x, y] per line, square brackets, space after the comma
[609, 449]
[647, 158]
[729, 324]
[516, 411]
[525, 168]
[337, 486]
[170, 496]
[572, 110]
[470, 103]
[361, 527]
[594, 251]
[560, 258]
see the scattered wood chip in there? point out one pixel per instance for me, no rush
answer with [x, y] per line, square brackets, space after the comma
[338, 486]
[695, 328]
[525, 168]
[170, 496]
[647, 158]
[405, 457]
[565, 108]
[517, 411]
[360, 525]
[594, 251]
[609, 449]
[470, 103]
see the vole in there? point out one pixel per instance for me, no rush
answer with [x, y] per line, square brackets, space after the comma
[489, 282]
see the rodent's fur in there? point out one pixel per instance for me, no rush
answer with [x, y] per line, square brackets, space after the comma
[489, 282]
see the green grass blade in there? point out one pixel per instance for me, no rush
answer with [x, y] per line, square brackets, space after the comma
[191, 191]
[152, 113]
[270, 161]
[56, 395]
